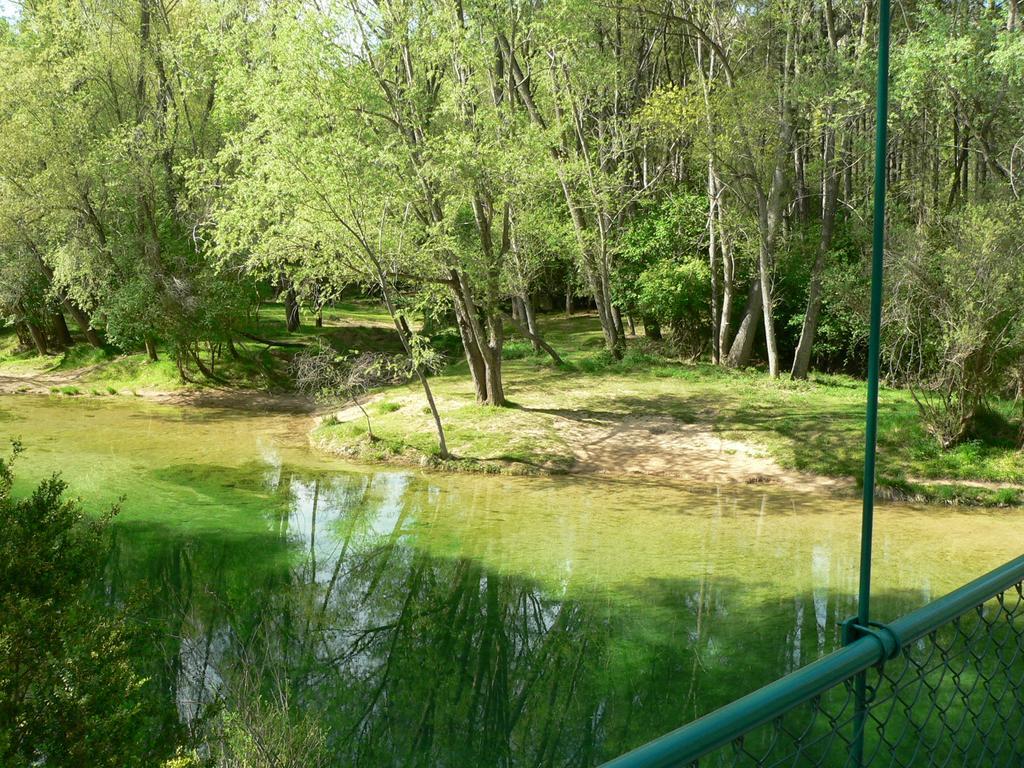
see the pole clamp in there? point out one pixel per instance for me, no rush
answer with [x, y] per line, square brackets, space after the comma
[888, 641]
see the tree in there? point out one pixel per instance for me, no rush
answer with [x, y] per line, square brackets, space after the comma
[106, 118]
[304, 188]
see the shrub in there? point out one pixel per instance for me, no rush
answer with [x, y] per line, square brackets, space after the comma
[666, 241]
[69, 690]
[517, 350]
[676, 293]
[954, 316]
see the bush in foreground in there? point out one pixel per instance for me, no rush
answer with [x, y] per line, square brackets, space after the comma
[69, 692]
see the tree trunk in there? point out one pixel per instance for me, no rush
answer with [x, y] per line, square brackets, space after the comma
[193, 352]
[24, 337]
[652, 328]
[568, 299]
[474, 360]
[799, 171]
[847, 164]
[82, 321]
[537, 340]
[151, 350]
[713, 262]
[743, 343]
[830, 193]
[80, 318]
[287, 289]
[442, 445]
[484, 354]
[292, 320]
[366, 416]
[491, 342]
[38, 337]
[495, 388]
[529, 314]
[764, 257]
[769, 209]
[61, 332]
[605, 311]
[405, 334]
[620, 332]
[492, 360]
[728, 287]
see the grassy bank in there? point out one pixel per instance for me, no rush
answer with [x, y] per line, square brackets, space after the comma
[814, 427]
[83, 370]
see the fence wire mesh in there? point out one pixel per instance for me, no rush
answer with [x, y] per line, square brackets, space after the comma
[943, 686]
[952, 697]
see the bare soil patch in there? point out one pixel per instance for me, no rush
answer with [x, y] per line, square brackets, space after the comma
[661, 446]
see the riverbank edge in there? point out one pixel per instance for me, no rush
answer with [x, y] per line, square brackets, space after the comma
[968, 493]
[946, 492]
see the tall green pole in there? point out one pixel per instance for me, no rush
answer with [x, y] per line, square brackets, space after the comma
[871, 426]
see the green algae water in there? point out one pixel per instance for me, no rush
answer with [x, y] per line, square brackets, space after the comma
[433, 620]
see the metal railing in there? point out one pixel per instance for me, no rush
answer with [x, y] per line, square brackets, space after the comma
[944, 684]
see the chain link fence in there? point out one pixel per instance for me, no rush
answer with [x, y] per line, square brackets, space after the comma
[942, 686]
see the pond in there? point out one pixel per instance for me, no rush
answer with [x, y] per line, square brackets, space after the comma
[429, 619]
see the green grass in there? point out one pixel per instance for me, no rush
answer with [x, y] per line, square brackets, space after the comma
[480, 438]
[348, 326]
[517, 350]
[14, 360]
[94, 370]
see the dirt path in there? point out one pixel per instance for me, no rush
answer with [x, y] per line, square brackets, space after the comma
[661, 446]
[990, 485]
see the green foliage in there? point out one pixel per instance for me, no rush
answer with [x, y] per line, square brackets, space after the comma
[955, 320]
[158, 177]
[676, 293]
[674, 229]
[661, 274]
[261, 734]
[517, 350]
[448, 343]
[842, 331]
[70, 693]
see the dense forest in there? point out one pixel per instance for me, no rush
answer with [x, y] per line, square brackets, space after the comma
[696, 173]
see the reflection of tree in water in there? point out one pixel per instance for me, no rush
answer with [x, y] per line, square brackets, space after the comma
[409, 659]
